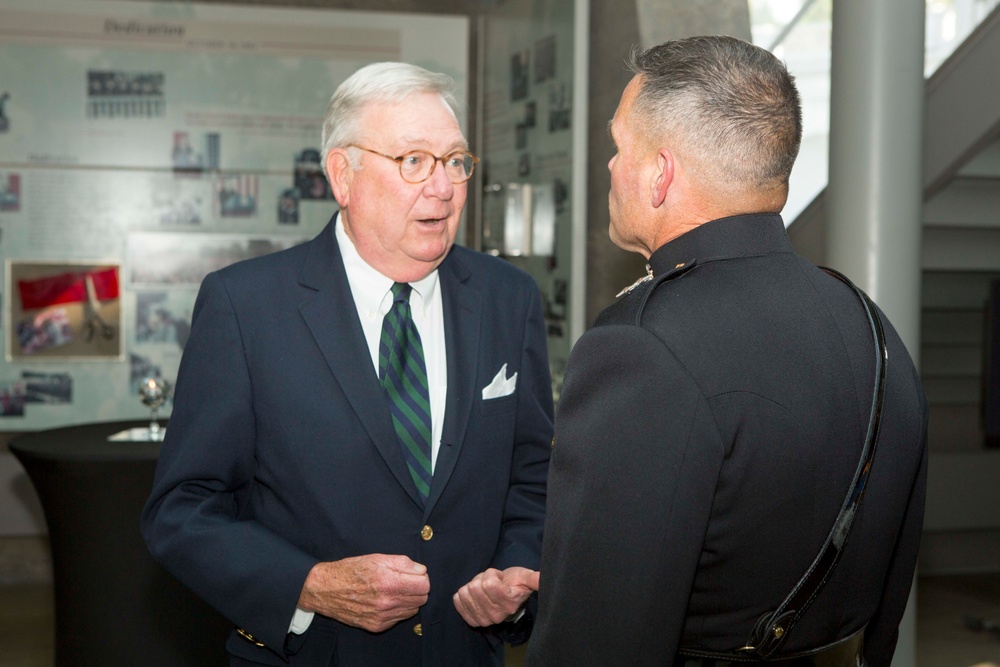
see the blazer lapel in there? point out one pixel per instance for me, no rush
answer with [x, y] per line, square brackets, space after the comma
[462, 306]
[331, 316]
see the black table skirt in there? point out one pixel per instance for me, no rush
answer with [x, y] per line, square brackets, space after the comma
[114, 605]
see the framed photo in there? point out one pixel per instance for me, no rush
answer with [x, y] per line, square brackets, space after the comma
[63, 311]
[519, 63]
[169, 259]
[545, 58]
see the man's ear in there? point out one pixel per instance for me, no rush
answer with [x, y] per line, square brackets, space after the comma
[663, 178]
[340, 174]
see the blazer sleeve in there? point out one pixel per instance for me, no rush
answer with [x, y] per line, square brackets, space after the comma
[630, 495]
[195, 521]
[524, 512]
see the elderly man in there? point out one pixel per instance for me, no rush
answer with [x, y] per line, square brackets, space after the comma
[354, 471]
[716, 419]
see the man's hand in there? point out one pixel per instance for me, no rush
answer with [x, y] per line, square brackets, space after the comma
[372, 592]
[493, 595]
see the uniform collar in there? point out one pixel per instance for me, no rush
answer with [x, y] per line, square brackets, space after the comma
[726, 238]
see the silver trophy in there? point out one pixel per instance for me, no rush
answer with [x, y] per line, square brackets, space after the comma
[154, 391]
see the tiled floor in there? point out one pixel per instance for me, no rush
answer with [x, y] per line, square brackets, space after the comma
[27, 625]
[948, 607]
[944, 638]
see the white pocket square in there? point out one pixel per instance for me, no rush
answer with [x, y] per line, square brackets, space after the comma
[501, 385]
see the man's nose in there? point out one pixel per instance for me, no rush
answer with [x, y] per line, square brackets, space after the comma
[439, 185]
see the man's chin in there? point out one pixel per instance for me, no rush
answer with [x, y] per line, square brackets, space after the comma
[433, 255]
[615, 238]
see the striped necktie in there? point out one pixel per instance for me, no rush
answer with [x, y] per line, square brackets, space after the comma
[403, 375]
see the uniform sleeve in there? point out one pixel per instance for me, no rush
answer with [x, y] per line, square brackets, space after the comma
[882, 631]
[194, 521]
[634, 469]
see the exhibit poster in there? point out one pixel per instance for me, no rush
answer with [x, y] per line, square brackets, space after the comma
[144, 144]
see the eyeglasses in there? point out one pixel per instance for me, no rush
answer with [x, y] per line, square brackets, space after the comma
[417, 166]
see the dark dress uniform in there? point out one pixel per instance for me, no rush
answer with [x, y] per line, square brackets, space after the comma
[708, 431]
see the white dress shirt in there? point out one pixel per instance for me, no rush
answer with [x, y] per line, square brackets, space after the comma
[372, 294]
[373, 298]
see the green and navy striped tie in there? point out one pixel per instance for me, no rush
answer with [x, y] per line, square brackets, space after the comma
[403, 375]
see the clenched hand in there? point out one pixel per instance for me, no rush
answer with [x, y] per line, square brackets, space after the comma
[493, 595]
[372, 592]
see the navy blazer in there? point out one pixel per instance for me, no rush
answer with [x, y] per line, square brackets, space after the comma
[281, 453]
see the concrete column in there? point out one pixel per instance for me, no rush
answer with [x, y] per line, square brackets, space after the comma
[873, 229]
[875, 194]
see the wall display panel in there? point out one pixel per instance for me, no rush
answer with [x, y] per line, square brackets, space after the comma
[526, 209]
[151, 143]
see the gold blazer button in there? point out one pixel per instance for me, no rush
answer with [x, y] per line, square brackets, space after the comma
[418, 630]
[426, 533]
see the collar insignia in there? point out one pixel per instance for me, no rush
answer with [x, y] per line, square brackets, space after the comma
[645, 279]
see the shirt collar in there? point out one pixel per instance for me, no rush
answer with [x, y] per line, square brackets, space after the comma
[371, 289]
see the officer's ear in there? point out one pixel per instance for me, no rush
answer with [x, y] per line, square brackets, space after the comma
[663, 177]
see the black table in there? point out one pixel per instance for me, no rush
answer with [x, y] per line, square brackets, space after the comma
[114, 604]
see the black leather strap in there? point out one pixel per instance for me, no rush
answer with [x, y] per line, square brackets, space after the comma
[772, 629]
[846, 652]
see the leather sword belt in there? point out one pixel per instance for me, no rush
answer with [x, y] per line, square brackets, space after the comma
[772, 629]
[845, 652]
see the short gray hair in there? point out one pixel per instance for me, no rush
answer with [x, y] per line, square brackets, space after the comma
[730, 105]
[375, 83]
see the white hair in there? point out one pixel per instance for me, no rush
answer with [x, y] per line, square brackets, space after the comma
[378, 82]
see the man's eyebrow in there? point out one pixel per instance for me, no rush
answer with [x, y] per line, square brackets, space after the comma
[424, 144]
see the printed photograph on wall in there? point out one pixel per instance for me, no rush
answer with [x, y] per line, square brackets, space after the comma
[117, 94]
[519, 63]
[12, 399]
[156, 260]
[182, 211]
[236, 195]
[10, 192]
[4, 121]
[163, 317]
[310, 180]
[288, 206]
[545, 58]
[63, 310]
[182, 202]
[559, 108]
[48, 388]
[195, 154]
